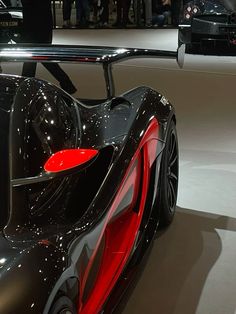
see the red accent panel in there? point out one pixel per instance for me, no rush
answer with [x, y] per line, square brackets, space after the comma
[121, 231]
[86, 59]
[40, 58]
[44, 242]
[69, 158]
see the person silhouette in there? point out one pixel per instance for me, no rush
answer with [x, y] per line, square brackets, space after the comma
[38, 29]
[122, 11]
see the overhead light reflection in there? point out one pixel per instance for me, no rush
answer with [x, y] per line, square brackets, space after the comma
[2, 260]
[15, 53]
[122, 50]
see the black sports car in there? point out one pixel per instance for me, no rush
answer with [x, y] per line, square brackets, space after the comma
[209, 26]
[84, 185]
[11, 23]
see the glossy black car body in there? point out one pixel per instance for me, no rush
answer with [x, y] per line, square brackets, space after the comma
[11, 23]
[208, 25]
[68, 238]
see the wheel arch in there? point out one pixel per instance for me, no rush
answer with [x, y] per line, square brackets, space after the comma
[70, 288]
[150, 211]
[67, 285]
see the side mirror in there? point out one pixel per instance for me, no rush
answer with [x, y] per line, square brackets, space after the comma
[62, 163]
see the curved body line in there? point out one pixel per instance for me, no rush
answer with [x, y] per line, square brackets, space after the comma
[96, 300]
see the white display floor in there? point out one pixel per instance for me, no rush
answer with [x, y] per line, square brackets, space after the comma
[192, 266]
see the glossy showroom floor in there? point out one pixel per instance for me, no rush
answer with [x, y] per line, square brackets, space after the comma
[192, 266]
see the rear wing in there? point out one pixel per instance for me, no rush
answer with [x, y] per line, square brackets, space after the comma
[105, 56]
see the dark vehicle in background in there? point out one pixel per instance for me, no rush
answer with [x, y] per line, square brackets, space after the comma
[84, 184]
[208, 26]
[11, 21]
